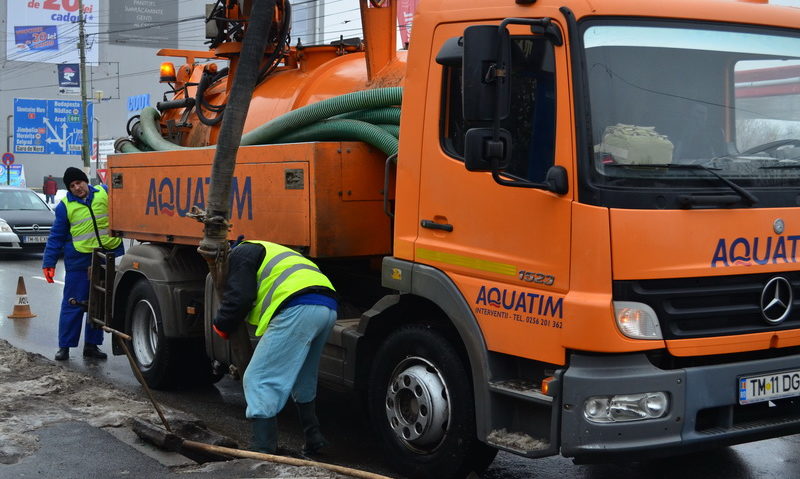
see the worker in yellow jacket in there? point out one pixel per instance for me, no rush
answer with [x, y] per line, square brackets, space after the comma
[293, 307]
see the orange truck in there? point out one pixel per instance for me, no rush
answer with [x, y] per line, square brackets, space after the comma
[579, 234]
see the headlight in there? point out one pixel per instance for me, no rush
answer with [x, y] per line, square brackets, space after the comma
[626, 407]
[4, 228]
[637, 320]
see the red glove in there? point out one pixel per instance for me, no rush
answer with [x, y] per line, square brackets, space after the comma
[49, 273]
[222, 334]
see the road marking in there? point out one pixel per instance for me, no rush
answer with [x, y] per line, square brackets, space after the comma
[45, 279]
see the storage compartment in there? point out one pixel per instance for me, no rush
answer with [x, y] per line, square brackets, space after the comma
[326, 197]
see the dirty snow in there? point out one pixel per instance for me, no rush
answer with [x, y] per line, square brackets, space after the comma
[36, 392]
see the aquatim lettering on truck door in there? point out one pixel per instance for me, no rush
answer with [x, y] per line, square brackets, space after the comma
[522, 306]
[176, 196]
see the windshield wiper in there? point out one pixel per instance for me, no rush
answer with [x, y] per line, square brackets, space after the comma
[690, 200]
[789, 163]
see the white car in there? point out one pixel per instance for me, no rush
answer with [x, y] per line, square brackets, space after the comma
[8, 239]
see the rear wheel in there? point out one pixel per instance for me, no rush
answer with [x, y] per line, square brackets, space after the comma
[421, 404]
[165, 363]
[151, 350]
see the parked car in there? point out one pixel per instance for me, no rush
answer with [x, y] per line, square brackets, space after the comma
[27, 217]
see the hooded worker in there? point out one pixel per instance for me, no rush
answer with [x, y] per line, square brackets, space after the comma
[81, 225]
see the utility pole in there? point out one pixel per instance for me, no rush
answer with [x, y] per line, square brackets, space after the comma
[84, 107]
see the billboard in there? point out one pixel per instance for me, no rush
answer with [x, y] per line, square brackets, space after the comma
[49, 126]
[147, 23]
[47, 30]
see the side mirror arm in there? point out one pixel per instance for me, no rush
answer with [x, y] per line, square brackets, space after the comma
[556, 181]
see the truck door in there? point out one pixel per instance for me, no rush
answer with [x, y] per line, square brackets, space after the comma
[505, 247]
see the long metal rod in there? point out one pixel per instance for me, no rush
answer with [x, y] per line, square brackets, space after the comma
[241, 453]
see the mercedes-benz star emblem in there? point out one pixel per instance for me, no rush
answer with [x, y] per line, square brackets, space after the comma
[776, 300]
[778, 226]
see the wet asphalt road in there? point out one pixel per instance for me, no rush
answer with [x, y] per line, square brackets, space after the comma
[341, 414]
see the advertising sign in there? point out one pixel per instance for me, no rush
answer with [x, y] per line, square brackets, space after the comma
[14, 175]
[37, 38]
[47, 30]
[144, 22]
[69, 79]
[405, 13]
[49, 126]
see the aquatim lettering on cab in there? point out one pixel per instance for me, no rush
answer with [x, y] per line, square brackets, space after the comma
[747, 251]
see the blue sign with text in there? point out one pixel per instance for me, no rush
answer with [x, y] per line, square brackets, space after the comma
[49, 126]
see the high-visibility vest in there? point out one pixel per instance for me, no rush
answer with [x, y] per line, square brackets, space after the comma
[88, 221]
[282, 273]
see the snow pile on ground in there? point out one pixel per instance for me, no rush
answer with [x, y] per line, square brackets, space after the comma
[35, 392]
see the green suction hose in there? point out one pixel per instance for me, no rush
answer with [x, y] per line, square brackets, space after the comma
[356, 116]
[388, 115]
[345, 130]
[151, 132]
[360, 100]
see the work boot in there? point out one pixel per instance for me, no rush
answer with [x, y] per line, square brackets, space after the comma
[62, 354]
[92, 351]
[308, 420]
[265, 435]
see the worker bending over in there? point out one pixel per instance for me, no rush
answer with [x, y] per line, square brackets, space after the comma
[293, 306]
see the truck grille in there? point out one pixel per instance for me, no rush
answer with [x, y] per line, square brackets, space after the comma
[709, 306]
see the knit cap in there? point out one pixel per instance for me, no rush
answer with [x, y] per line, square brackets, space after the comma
[74, 174]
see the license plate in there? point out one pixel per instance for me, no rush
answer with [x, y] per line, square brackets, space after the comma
[753, 389]
[34, 239]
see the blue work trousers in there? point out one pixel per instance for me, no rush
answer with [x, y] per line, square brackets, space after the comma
[286, 360]
[76, 285]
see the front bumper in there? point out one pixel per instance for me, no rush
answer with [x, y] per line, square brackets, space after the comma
[704, 409]
[9, 242]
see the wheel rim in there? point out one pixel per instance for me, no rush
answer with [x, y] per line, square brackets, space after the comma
[144, 333]
[417, 404]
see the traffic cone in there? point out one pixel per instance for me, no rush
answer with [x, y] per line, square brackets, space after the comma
[22, 309]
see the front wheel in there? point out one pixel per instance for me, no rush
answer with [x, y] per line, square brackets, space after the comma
[421, 404]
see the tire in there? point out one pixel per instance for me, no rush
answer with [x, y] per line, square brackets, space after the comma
[422, 408]
[151, 350]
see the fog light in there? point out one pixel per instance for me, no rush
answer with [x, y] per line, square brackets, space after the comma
[626, 407]
[637, 320]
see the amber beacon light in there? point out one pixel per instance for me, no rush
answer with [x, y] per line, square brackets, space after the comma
[167, 73]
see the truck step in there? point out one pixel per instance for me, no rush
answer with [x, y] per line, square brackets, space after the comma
[339, 327]
[520, 389]
[518, 443]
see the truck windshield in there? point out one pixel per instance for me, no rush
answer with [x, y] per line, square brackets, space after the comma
[726, 98]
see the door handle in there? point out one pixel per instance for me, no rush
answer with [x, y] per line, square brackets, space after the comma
[436, 226]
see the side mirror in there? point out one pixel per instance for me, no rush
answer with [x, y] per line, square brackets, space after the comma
[452, 53]
[483, 74]
[557, 180]
[483, 153]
